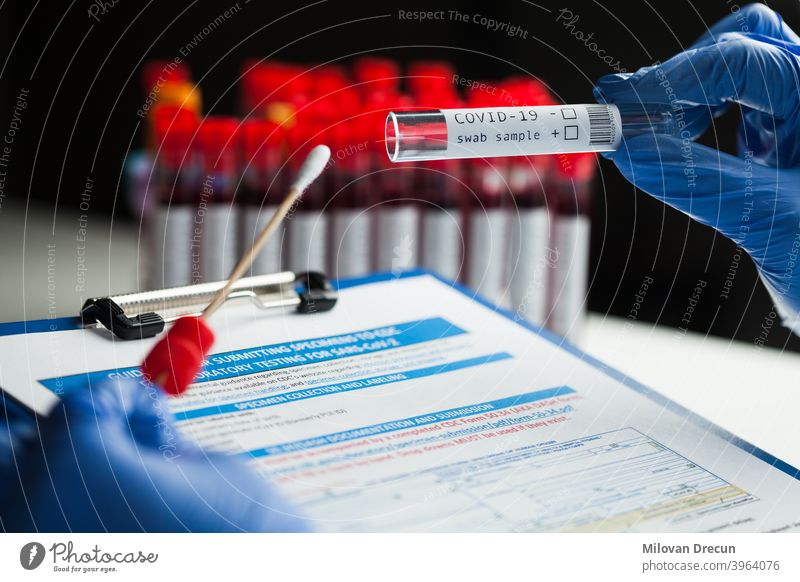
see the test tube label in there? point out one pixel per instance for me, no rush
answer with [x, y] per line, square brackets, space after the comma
[442, 242]
[308, 230]
[513, 131]
[569, 284]
[531, 259]
[397, 238]
[254, 221]
[219, 241]
[488, 247]
[350, 251]
[175, 259]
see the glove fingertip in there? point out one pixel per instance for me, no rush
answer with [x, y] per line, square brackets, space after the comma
[599, 95]
[611, 88]
[609, 155]
[614, 78]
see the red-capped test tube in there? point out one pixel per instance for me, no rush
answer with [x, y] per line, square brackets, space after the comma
[397, 215]
[529, 218]
[487, 230]
[442, 185]
[307, 227]
[263, 185]
[215, 234]
[358, 161]
[176, 176]
[568, 286]
[164, 83]
[488, 221]
[529, 223]
[352, 197]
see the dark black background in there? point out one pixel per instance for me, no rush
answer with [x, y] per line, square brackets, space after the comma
[84, 94]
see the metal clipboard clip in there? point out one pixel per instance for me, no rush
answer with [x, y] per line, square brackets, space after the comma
[145, 314]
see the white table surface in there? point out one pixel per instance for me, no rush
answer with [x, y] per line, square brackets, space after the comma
[753, 393]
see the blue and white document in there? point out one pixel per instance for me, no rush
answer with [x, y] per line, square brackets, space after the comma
[415, 407]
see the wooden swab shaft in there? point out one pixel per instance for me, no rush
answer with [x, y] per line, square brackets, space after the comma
[249, 256]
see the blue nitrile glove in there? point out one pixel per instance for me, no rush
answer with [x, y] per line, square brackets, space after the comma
[109, 458]
[13, 433]
[754, 199]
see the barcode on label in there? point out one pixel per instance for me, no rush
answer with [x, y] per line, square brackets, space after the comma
[601, 125]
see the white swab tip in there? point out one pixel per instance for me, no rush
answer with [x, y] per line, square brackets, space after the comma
[312, 167]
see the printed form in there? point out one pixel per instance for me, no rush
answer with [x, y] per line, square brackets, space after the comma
[413, 407]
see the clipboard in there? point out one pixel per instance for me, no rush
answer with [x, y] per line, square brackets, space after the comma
[454, 314]
[330, 291]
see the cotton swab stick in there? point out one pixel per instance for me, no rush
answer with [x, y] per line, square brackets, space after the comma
[174, 361]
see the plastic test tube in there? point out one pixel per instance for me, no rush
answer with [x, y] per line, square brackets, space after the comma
[528, 178]
[351, 228]
[177, 175]
[487, 231]
[174, 90]
[569, 272]
[358, 151]
[397, 222]
[443, 185]
[307, 235]
[397, 215]
[488, 132]
[487, 220]
[307, 227]
[262, 184]
[215, 221]
[530, 233]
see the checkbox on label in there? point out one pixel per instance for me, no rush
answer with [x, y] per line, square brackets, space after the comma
[570, 132]
[569, 113]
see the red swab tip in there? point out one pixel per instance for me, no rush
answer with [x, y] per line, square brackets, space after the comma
[175, 360]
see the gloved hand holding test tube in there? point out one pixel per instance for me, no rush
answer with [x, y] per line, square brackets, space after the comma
[751, 199]
[490, 132]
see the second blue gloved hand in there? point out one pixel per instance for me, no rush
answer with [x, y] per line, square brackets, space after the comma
[754, 199]
[109, 458]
